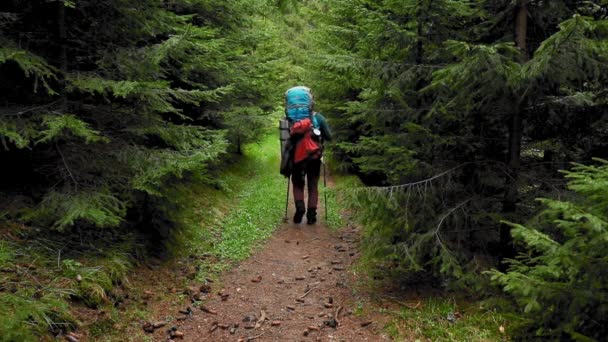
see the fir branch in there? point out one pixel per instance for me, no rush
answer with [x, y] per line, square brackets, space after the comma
[393, 188]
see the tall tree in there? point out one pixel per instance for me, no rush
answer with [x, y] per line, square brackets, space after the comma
[463, 129]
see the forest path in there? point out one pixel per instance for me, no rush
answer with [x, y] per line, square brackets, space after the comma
[299, 282]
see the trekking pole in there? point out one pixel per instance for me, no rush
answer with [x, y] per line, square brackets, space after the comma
[285, 219]
[325, 188]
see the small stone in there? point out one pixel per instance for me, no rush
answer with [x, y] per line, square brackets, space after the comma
[207, 310]
[275, 323]
[177, 334]
[148, 327]
[300, 278]
[159, 324]
[248, 318]
[332, 323]
[305, 257]
[71, 338]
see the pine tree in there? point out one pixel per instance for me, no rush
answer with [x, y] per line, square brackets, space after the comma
[558, 281]
[462, 118]
[111, 100]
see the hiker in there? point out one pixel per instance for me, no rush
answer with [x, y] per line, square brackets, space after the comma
[308, 130]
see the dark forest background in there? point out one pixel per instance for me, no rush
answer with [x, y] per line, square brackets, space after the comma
[457, 116]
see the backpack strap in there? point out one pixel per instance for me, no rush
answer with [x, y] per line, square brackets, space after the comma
[314, 121]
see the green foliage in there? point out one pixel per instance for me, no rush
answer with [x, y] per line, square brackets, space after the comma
[63, 210]
[31, 65]
[57, 126]
[10, 131]
[559, 280]
[421, 96]
[27, 315]
[28, 311]
[155, 92]
[155, 167]
[141, 98]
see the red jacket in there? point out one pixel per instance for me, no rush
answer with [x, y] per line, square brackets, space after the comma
[306, 147]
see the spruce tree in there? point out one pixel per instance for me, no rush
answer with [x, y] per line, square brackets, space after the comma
[461, 113]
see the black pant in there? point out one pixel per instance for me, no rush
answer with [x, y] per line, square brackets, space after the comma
[309, 170]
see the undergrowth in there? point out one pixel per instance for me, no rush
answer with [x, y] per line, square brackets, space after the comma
[225, 219]
[261, 202]
[448, 319]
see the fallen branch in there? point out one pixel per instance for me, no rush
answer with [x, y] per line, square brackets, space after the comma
[337, 314]
[254, 337]
[261, 320]
[310, 290]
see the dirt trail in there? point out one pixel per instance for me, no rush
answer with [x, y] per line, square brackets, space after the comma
[300, 282]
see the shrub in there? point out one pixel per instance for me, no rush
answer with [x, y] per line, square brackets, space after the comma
[560, 280]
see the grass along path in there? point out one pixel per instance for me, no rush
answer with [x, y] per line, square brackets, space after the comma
[260, 203]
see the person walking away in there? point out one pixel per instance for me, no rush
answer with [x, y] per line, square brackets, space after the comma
[309, 130]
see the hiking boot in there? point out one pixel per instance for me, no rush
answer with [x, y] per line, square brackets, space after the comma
[311, 216]
[300, 210]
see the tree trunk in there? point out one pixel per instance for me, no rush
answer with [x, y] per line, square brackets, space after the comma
[515, 136]
[63, 52]
[239, 150]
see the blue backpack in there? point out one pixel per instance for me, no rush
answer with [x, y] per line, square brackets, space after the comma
[299, 104]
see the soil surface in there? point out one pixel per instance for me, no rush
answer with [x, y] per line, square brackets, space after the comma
[298, 287]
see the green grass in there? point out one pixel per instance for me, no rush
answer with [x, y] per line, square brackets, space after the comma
[474, 321]
[28, 310]
[335, 205]
[261, 201]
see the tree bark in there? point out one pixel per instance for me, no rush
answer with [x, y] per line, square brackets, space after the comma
[63, 52]
[515, 136]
